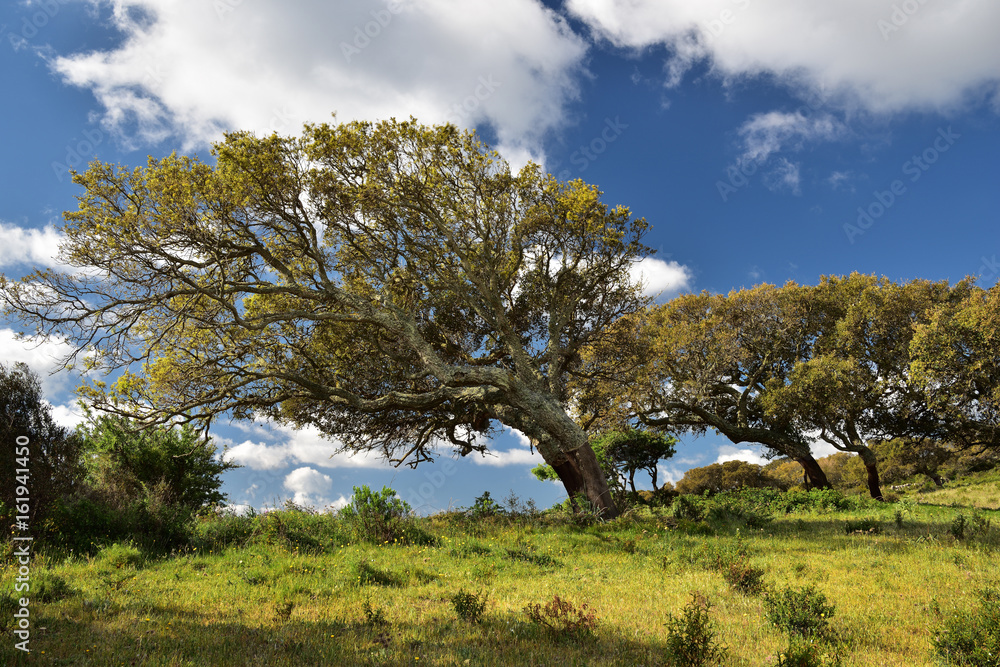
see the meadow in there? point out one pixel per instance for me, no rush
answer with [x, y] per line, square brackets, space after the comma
[490, 587]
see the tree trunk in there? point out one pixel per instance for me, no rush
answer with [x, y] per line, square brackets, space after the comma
[581, 474]
[871, 467]
[815, 477]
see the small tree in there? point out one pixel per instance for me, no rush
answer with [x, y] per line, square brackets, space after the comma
[727, 476]
[182, 467]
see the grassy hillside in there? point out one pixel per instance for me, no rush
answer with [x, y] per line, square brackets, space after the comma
[293, 593]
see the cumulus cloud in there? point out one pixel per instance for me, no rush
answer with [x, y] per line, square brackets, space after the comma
[732, 453]
[281, 446]
[509, 457]
[661, 279]
[41, 357]
[27, 247]
[189, 68]
[309, 487]
[876, 56]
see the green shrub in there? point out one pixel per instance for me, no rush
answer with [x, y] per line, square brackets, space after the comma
[687, 508]
[801, 611]
[973, 638]
[958, 526]
[485, 507]
[805, 653]
[374, 614]
[470, 606]
[744, 577]
[691, 636]
[120, 555]
[48, 587]
[381, 518]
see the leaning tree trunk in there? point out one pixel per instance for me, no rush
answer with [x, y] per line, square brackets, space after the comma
[815, 477]
[871, 467]
[581, 474]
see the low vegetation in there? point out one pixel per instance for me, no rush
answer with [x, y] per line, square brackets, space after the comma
[752, 577]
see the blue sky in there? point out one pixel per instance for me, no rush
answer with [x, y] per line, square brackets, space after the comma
[765, 140]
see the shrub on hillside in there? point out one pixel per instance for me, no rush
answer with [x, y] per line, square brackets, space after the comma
[381, 517]
[692, 636]
[798, 611]
[973, 638]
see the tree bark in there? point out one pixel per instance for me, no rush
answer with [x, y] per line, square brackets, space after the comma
[815, 477]
[871, 467]
[581, 474]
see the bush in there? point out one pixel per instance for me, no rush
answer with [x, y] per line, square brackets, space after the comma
[802, 653]
[121, 555]
[381, 518]
[802, 611]
[562, 618]
[470, 606]
[48, 587]
[973, 638]
[691, 636]
[485, 507]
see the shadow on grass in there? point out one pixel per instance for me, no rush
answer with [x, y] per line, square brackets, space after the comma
[173, 636]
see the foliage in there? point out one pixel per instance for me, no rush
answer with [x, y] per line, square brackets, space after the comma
[174, 465]
[621, 454]
[374, 614]
[122, 555]
[48, 587]
[485, 507]
[727, 476]
[470, 606]
[691, 636]
[798, 611]
[805, 653]
[973, 638]
[52, 456]
[562, 618]
[392, 284]
[381, 517]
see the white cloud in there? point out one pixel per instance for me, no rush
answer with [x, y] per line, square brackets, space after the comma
[784, 176]
[295, 446]
[849, 53]
[509, 457]
[189, 68]
[42, 358]
[731, 453]
[67, 416]
[257, 455]
[661, 279]
[309, 487]
[26, 247]
[767, 133]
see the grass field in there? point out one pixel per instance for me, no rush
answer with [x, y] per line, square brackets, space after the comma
[291, 602]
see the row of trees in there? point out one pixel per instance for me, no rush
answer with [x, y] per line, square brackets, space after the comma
[398, 287]
[852, 362]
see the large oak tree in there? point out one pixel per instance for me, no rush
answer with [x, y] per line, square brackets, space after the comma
[393, 284]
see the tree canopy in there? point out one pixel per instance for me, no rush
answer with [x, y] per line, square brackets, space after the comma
[392, 284]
